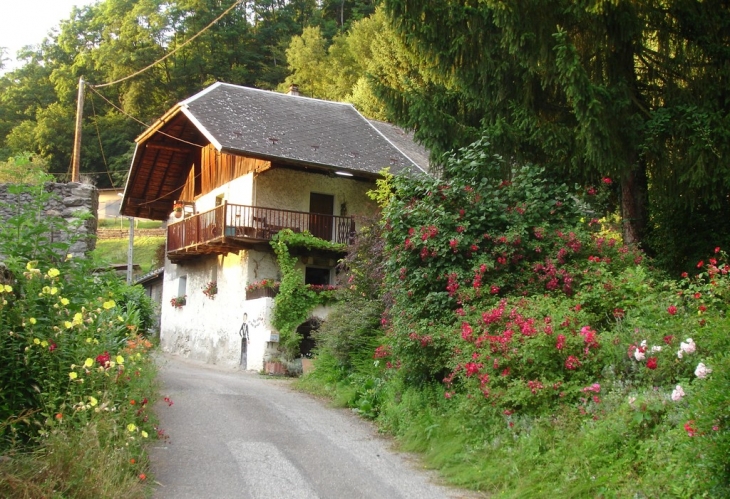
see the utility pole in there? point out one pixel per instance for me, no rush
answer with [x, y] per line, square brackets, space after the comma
[76, 164]
[130, 250]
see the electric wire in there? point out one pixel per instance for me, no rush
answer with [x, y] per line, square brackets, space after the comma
[213, 22]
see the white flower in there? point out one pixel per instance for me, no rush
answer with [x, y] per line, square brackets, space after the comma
[643, 344]
[656, 348]
[702, 371]
[688, 346]
[677, 393]
[638, 354]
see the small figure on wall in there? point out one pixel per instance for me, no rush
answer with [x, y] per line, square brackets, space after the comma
[243, 333]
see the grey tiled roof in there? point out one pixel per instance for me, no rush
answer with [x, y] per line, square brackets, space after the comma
[300, 129]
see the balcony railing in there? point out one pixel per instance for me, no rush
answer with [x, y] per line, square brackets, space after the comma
[226, 224]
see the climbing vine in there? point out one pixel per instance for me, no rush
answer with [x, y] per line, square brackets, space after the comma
[295, 300]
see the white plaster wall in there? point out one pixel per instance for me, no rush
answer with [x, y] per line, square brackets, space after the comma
[208, 330]
[237, 191]
[290, 190]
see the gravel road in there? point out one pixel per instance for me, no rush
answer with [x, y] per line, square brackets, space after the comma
[235, 434]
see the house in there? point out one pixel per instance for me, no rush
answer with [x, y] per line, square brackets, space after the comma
[152, 284]
[227, 169]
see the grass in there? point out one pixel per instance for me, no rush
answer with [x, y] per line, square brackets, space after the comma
[54, 469]
[110, 251]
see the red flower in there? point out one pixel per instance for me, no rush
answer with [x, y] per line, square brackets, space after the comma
[561, 342]
[672, 310]
[702, 308]
[717, 250]
[572, 363]
[651, 363]
[52, 346]
[103, 359]
[668, 339]
[685, 275]
[607, 181]
[472, 368]
[700, 264]
[466, 331]
[691, 431]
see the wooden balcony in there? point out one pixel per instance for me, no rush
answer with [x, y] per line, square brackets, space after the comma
[232, 227]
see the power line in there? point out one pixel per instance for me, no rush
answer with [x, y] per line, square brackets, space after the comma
[123, 112]
[171, 53]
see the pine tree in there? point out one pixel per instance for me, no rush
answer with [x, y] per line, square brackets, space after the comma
[636, 91]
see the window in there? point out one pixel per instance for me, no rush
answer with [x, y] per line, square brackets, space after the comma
[182, 286]
[317, 275]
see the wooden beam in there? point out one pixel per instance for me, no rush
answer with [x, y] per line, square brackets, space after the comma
[165, 147]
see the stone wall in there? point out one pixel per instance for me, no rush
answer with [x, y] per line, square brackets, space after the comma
[68, 202]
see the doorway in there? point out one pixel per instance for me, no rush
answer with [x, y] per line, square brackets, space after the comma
[321, 209]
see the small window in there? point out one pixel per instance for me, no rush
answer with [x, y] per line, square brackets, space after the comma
[219, 199]
[182, 286]
[317, 275]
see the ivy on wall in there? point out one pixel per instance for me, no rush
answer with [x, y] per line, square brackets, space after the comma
[295, 301]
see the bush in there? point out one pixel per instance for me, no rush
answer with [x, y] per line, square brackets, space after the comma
[75, 370]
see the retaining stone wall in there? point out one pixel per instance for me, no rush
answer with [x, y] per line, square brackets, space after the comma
[70, 201]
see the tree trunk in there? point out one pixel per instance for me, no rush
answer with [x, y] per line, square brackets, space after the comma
[634, 202]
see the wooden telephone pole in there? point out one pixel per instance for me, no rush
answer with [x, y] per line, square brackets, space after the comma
[76, 163]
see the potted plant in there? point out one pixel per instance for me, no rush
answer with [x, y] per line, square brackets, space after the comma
[179, 301]
[211, 289]
[178, 209]
[263, 288]
[274, 366]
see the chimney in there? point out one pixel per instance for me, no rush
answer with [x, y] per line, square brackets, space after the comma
[293, 89]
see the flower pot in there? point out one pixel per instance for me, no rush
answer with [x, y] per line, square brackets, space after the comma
[178, 213]
[276, 368]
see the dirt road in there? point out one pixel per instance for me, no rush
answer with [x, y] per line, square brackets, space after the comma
[235, 434]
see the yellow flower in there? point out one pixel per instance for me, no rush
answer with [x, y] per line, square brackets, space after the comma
[109, 304]
[53, 272]
[131, 427]
[54, 290]
[31, 264]
[46, 290]
[8, 289]
[120, 359]
[89, 362]
[67, 324]
[88, 340]
[65, 301]
[92, 401]
[73, 375]
[36, 341]
[32, 320]
[44, 344]
[120, 318]
[144, 434]
[78, 318]
[69, 256]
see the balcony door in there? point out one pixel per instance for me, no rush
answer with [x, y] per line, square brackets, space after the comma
[321, 209]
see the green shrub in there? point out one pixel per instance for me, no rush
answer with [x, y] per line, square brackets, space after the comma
[75, 370]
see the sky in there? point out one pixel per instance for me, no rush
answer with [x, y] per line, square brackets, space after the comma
[27, 22]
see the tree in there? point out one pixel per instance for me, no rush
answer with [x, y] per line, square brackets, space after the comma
[635, 91]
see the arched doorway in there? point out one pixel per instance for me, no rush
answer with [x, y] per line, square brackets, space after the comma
[305, 330]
